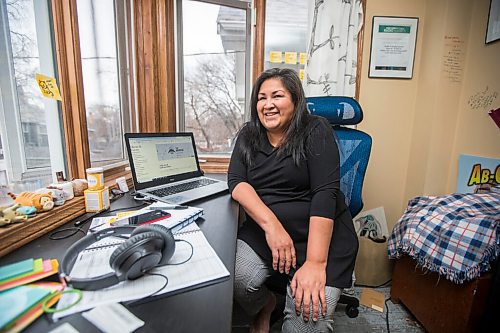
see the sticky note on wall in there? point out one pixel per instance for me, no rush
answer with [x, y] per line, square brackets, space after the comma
[291, 58]
[276, 56]
[303, 58]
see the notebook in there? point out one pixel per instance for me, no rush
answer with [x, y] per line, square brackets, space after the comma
[195, 264]
[165, 167]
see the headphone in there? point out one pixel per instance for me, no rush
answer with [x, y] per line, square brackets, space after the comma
[148, 246]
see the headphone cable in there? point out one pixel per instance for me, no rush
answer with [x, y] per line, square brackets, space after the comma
[141, 300]
[185, 261]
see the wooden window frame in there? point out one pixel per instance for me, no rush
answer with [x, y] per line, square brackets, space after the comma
[74, 124]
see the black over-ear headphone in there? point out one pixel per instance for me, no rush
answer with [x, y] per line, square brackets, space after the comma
[148, 246]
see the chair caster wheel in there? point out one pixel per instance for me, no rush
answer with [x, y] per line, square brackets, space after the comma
[351, 311]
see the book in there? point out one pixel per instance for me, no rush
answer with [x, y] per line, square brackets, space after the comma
[202, 267]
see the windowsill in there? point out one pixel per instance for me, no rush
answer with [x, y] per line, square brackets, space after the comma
[214, 164]
[19, 234]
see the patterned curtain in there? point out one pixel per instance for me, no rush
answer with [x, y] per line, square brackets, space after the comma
[332, 51]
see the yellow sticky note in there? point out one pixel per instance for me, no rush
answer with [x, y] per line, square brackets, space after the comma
[301, 74]
[48, 86]
[126, 213]
[291, 58]
[276, 56]
[303, 58]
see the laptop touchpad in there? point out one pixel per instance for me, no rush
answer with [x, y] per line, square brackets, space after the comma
[177, 199]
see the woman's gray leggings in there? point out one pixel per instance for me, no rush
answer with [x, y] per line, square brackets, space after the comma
[251, 272]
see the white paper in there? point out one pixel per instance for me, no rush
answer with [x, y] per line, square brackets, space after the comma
[64, 328]
[113, 318]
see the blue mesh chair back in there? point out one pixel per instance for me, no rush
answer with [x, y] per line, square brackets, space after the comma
[354, 145]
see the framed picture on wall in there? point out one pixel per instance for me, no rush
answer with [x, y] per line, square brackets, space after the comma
[393, 47]
[493, 27]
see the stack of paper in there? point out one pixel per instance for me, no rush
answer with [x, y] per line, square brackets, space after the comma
[21, 303]
[19, 306]
[26, 271]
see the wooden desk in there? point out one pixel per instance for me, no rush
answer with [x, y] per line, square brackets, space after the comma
[206, 309]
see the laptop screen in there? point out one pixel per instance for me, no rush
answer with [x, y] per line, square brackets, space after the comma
[159, 159]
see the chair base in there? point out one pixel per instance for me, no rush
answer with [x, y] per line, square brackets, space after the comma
[352, 304]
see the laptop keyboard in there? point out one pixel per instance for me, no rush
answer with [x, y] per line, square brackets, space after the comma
[163, 192]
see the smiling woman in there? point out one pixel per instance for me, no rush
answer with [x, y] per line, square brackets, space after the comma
[275, 109]
[285, 173]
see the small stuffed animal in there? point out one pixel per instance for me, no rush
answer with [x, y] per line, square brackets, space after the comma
[10, 215]
[29, 211]
[57, 195]
[79, 185]
[41, 201]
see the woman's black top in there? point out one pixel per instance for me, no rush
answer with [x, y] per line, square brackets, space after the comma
[296, 192]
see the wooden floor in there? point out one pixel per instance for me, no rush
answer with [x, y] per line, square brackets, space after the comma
[368, 319]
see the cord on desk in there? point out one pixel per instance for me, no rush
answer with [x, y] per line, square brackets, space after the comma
[132, 303]
[70, 232]
[189, 258]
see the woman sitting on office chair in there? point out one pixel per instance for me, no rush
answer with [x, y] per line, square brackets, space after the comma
[285, 173]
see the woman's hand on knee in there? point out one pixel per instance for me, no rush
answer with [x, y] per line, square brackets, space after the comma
[308, 286]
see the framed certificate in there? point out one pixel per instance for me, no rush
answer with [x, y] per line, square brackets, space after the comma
[393, 47]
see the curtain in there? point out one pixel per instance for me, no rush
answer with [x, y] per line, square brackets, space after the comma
[332, 49]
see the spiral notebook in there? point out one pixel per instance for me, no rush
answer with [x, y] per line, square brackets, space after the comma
[203, 268]
[179, 218]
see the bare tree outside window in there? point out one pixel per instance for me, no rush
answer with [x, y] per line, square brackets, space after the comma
[26, 63]
[213, 112]
[215, 70]
[99, 54]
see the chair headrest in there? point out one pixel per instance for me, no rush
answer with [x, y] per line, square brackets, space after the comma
[338, 110]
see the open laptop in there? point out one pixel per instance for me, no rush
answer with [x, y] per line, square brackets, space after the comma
[165, 167]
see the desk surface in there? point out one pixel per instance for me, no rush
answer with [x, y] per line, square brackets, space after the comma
[207, 309]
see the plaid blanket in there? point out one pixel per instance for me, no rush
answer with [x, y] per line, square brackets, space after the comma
[456, 236]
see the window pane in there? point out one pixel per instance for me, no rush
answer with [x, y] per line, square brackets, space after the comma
[30, 128]
[98, 46]
[286, 31]
[215, 73]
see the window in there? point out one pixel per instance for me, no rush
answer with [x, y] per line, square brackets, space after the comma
[103, 38]
[30, 128]
[214, 71]
[286, 34]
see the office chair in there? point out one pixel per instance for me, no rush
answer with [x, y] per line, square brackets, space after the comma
[355, 147]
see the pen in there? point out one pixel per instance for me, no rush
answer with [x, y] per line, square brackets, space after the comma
[167, 207]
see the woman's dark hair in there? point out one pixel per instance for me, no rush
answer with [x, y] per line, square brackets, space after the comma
[253, 131]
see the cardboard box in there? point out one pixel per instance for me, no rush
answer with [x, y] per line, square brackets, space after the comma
[97, 200]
